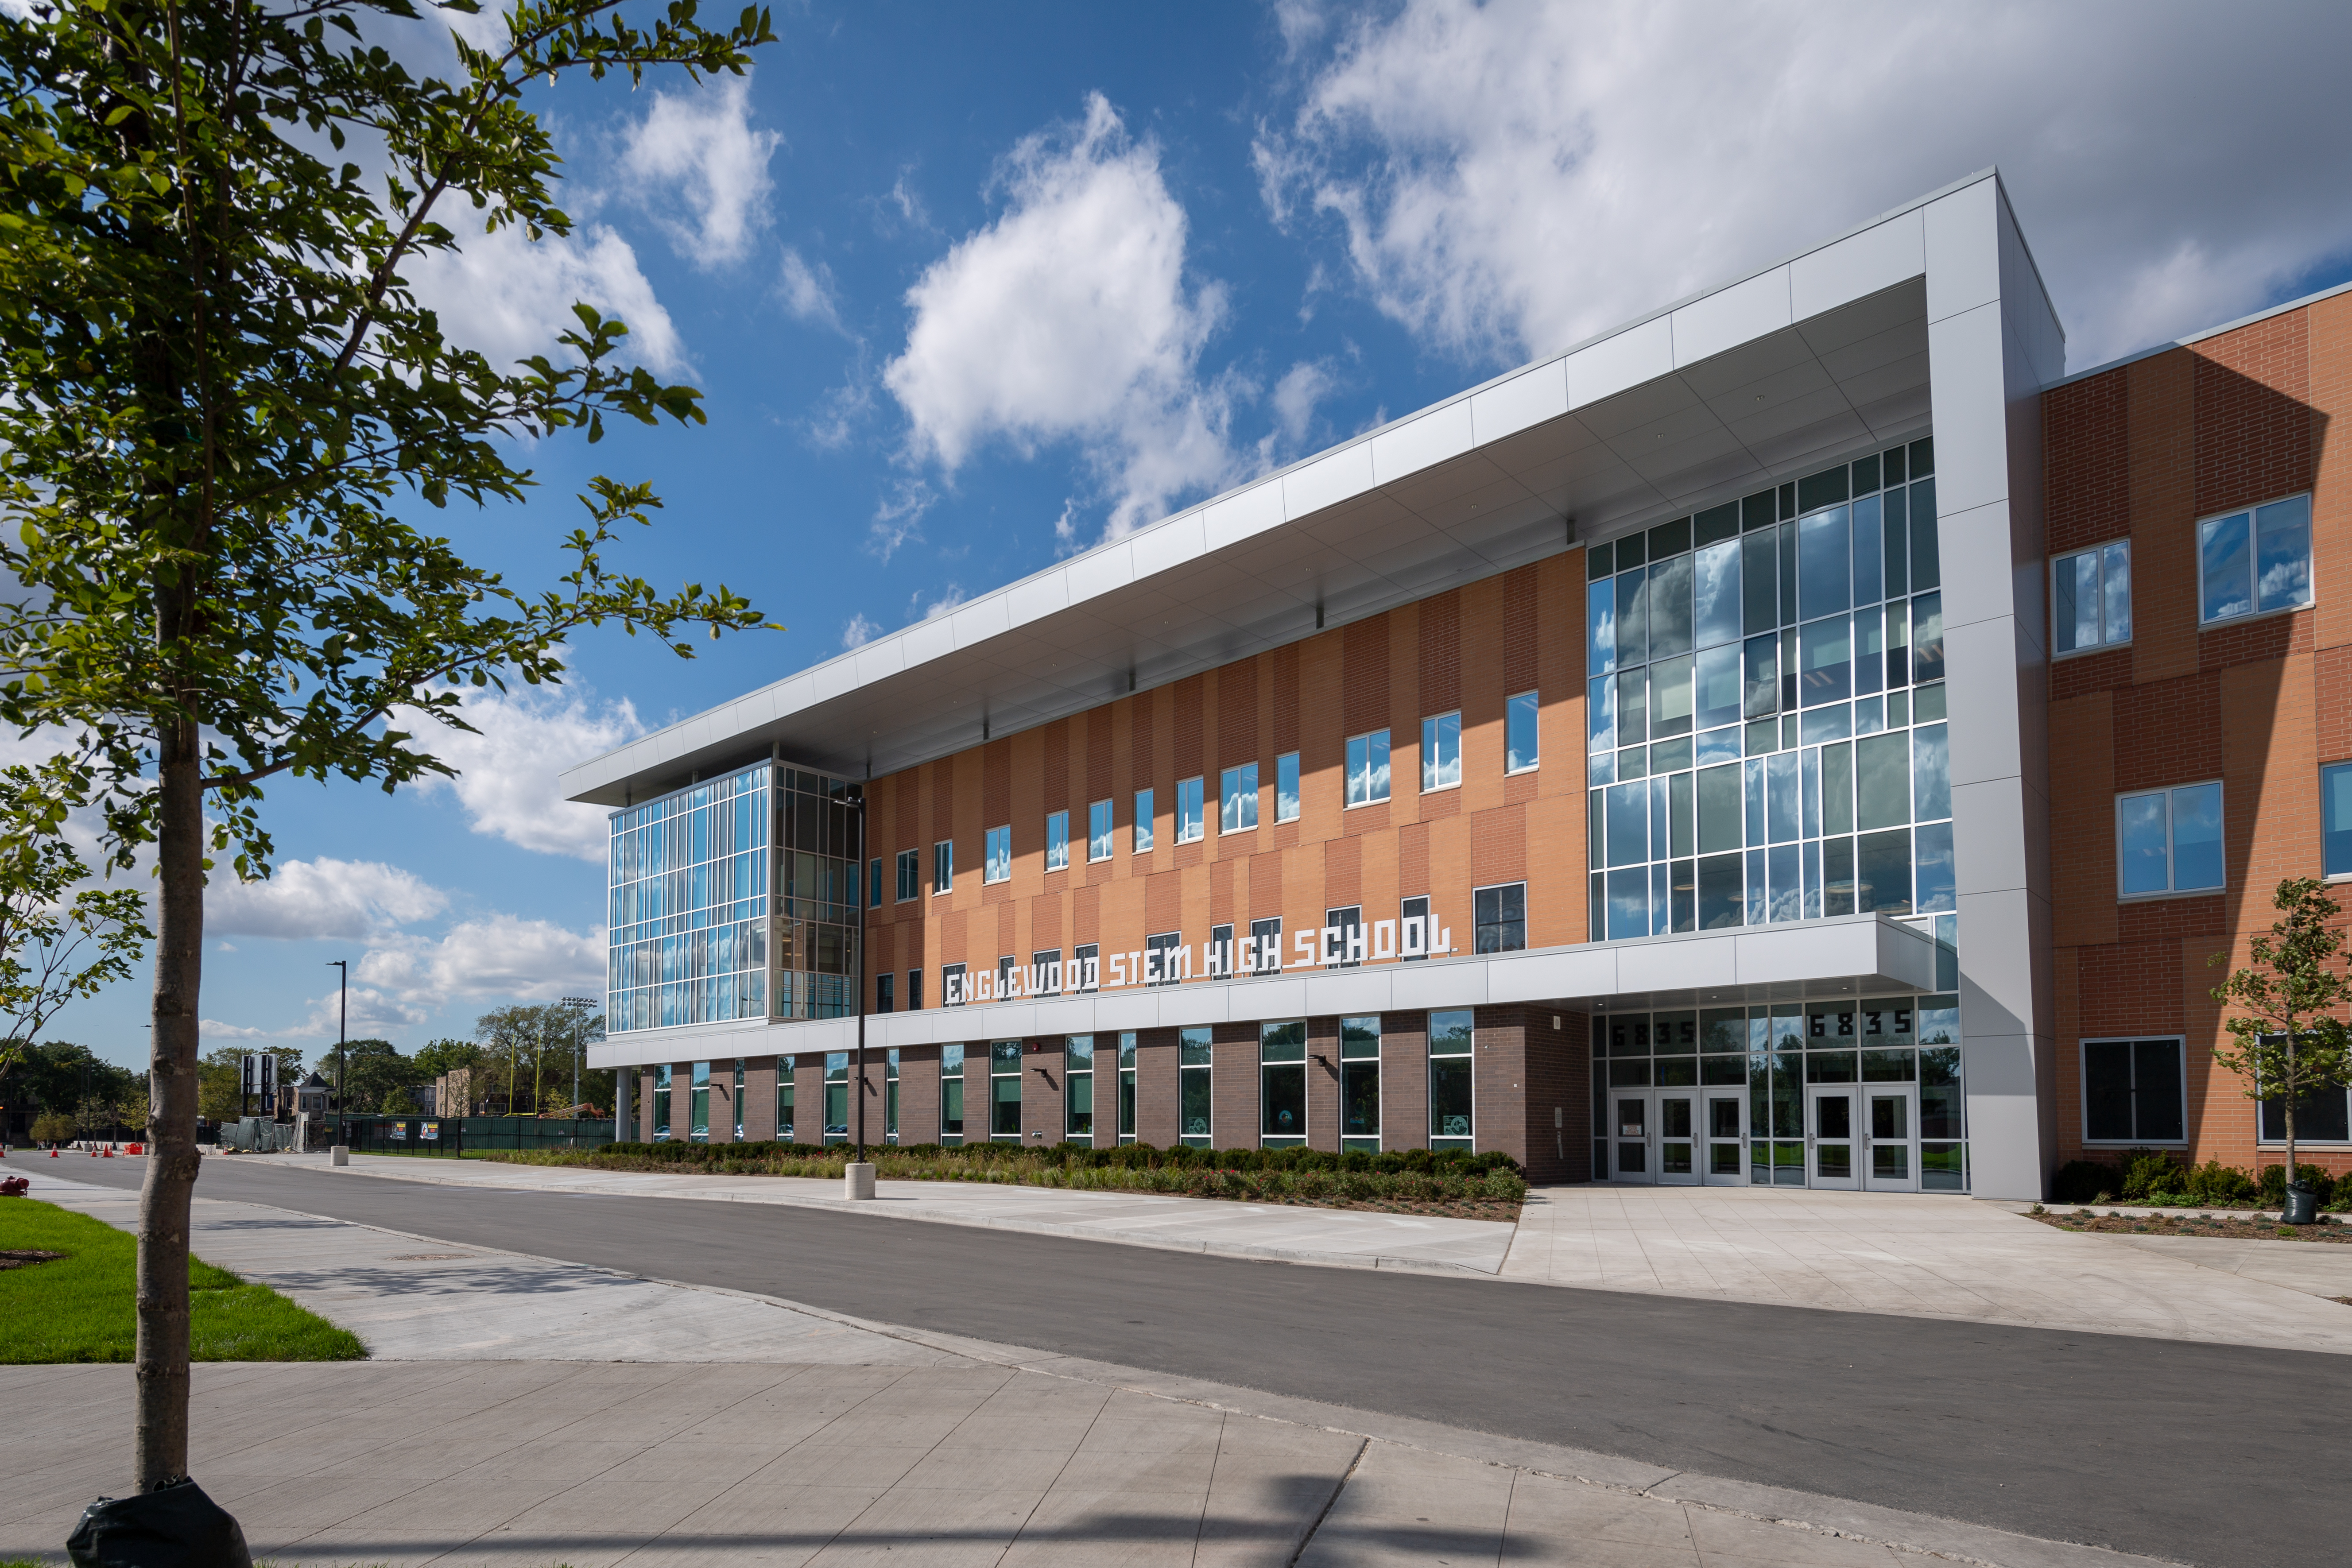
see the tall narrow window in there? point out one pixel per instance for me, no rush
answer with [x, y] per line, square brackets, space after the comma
[1441, 752]
[910, 874]
[1237, 799]
[1415, 938]
[890, 1097]
[1057, 841]
[1190, 810]
[1192, 1106]
[1098, 831]
[943, 866]
[836, 1097]
[1359, 1085]
[1285, 787]
[951, 1095]
[1127, 1087]
[1045, 973]
[698, 1129]
[1452, 1036]
[1004, 1092]
[1165, 961]
[874, 894]
[2132, 1091]
[661, 1104]
[1282, 1085]
[1220, 957]
[885, 986]
[2336, 820]
[786, 1067]
[2170, 841]
[1368, 768]
[998, 867]
[952, 986]
[1086, 967]
[2252, 562]
[1501, 916]
[1078, 1088]
[2090, 598]
[1264, 952]
[1344, 937]
[1142, 821]
[914, 991]
[1522, 746]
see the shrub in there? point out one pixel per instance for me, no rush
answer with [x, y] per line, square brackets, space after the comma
[2148, 1171]
[2323, 1186]
[2213, 1183]
[2081, 1182]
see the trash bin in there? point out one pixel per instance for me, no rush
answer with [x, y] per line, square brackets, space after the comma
[2302, 1205]
[175, 1526]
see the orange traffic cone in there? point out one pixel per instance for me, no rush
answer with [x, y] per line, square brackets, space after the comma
[53, 1150]
[110, 1151]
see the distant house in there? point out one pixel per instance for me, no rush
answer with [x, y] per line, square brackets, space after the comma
[312, 1096]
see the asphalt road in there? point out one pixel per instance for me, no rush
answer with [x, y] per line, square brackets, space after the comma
[2209, 1454]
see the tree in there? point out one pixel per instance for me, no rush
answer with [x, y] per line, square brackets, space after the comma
[2290, 1043]
[521, 1041]
[59, 940]
[220, 1078]
[439, 1057]
[376, 1076]
[224, 397]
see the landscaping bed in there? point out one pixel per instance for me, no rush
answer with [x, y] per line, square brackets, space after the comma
[78, 1303]
[1447, 1182]
[2153, 1179]
[2227, 1227]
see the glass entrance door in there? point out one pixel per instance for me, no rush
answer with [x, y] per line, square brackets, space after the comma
[1726, 1155]
[1630, 1137]
[1678, 1143]
[1830, 1130]
[1890, 1133]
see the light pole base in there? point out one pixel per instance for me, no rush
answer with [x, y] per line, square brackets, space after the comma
[340, 1154]
[857, 1181]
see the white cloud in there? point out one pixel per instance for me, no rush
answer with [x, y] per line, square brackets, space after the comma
[512, 297]
[698, 150]
[325, 897]
[858, 632]
[1510, 177]
[1069, 317]
[507, 773]
[808, 291]
[1302, 386]
[502, 957]
[948, 601]
[898, 516]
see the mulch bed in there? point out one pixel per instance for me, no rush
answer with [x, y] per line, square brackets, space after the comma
[2229, 1228]
[26, 1257]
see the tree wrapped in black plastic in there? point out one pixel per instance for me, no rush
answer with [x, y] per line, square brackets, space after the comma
[175, 1526]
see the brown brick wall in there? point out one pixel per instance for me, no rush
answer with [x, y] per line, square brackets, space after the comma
[2147, 450]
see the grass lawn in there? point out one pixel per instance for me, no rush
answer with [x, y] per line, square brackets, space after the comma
[81, 1307]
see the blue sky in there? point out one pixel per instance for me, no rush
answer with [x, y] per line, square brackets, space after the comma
[970, 289]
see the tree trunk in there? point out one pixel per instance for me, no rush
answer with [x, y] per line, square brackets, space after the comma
[160, 1452]
[2287, 1100]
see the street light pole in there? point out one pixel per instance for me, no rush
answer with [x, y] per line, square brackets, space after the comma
[858, 886]
[342, 1028]
[580, 1007]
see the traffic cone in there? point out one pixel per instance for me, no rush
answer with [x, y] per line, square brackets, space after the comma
[53, 1150]
[110, 1151]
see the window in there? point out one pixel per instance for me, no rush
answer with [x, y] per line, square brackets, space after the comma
[1501, 917]
[1451, 1038]
[2252, 562]
[1415, 938]
[1368, 768]
[1441, 752]
[1127, 1087]
[661, 1104]
[910, 874]
[874, 895]
[1237, 799]
[2090, 598]
[951, 1095]
[1285, 787]
[2132, 1091]
[2320, 1115]
[884, 985]
[1221, 954]
[1004, 970]
[1359, 1085]
[1343, 937]
[1282, 1085]
[951, 991]
[1098, 831]
[2170, 841]
[943, 866]
[698, 1129]
[998, 866]
[1142, 821]
[1004, 1092]
[785, 1068]
[836, 1097]
[1188, 810]
[914, 991]
[2336, 820]
[1078, 1088]
[1086, 967]
[1057, 841]
[890, 1097]
[1166, 959]
[1522, 750]
[1193, 1087]
[1046, 973]
[1265, 954]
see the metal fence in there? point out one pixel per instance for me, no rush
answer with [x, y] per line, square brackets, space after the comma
[457, 1135]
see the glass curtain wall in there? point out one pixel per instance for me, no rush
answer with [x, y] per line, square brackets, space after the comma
[689, 906]
[1359, 1085]
[819, 843]
[1765, 703]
